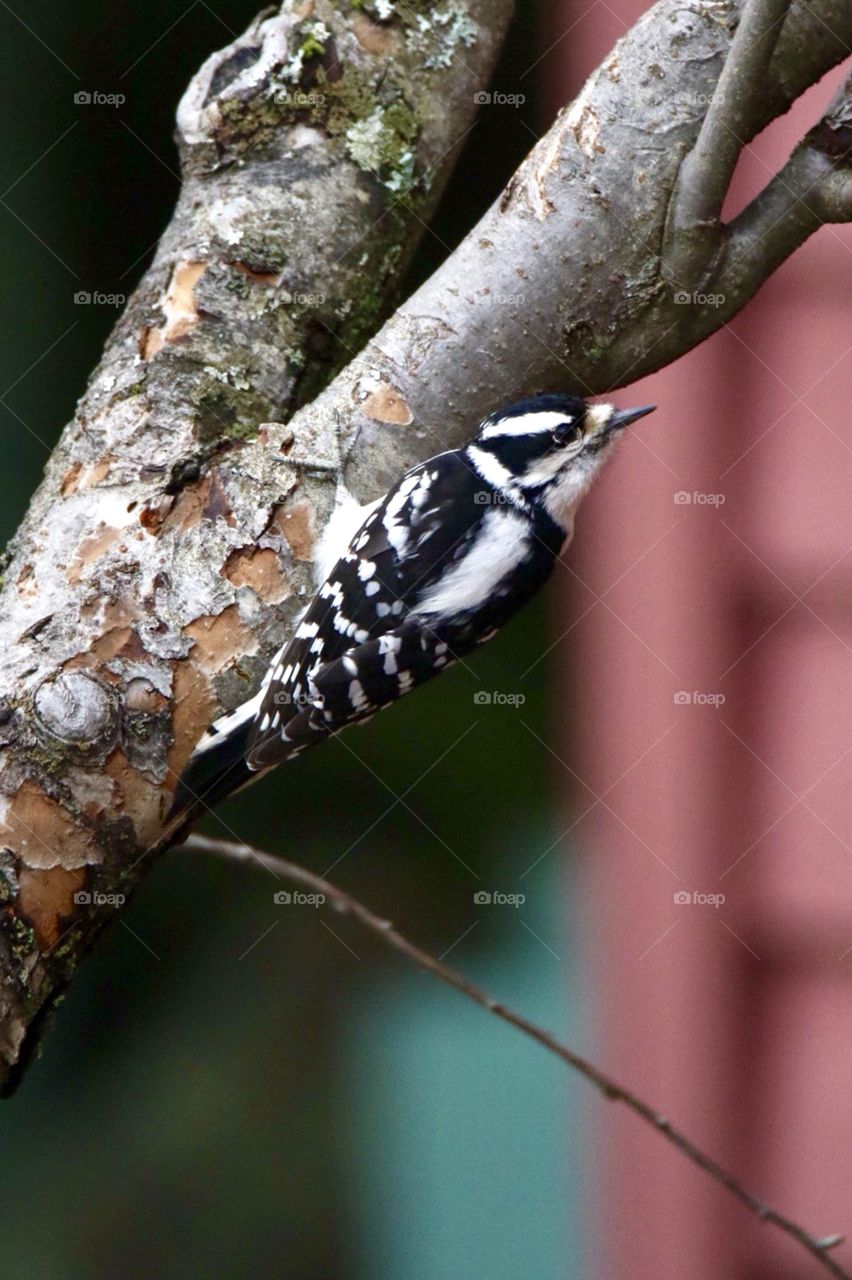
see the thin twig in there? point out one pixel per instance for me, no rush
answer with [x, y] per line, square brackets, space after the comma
[385, 930]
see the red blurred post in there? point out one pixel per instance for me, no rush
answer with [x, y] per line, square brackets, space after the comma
[733, 1018]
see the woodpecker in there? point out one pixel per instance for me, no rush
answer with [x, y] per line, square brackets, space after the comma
[426, 574]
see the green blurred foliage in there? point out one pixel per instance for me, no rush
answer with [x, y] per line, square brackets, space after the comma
[211, 1098]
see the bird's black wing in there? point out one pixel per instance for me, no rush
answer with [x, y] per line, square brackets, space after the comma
[353, 687]
[423, 526]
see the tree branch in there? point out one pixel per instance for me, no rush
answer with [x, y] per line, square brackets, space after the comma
[694, 231]
[167, 553]
[313, 149]
[391, 937]
[563, 282]
[813, 188]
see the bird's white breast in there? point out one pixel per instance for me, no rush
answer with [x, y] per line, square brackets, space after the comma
[501, 544]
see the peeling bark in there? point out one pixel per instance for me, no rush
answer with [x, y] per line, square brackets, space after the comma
[563, 283]
[168, 551]
[163, 557]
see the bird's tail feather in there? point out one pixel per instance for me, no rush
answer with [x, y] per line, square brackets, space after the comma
[217, 766]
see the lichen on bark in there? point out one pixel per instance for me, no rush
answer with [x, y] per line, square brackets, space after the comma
[163, 558]
[168, 550]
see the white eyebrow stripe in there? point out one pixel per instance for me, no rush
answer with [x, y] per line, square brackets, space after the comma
[525, 424]
[489, 468]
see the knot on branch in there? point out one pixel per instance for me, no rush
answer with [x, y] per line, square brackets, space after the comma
[74, 707]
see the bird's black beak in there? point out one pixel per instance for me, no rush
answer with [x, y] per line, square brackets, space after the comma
[623, 417]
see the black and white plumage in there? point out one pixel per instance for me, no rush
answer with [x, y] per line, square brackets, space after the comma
[432, 570]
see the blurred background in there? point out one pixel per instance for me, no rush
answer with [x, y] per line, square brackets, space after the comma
[235, 1087]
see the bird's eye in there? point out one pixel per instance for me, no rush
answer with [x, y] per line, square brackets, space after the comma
[566, 433]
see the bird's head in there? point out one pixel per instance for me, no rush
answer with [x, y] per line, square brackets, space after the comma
[547, 449]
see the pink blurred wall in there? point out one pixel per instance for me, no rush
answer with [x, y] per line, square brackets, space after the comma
[735, 1020]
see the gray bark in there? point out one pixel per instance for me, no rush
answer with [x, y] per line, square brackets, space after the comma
[139, 605]
[162, 557]
[564, 283]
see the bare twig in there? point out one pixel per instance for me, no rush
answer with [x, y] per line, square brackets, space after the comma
[156, 498]
[384, 929]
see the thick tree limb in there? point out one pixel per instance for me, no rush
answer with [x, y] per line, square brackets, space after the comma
[166, 554]
[282, 868]
[563, 282]
[312, 148]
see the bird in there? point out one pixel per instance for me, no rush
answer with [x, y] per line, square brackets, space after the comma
[413, 582]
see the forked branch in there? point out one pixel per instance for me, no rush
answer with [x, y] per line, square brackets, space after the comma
[812, 188]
